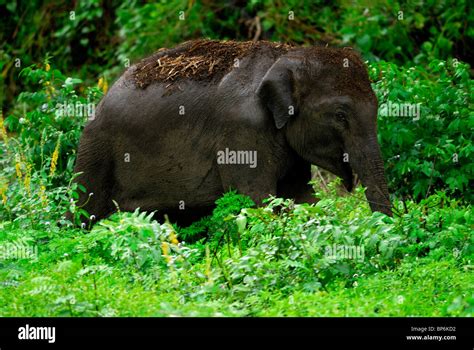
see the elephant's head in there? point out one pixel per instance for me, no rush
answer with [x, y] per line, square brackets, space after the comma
[322, 100]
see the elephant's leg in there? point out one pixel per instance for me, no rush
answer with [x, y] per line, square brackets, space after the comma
[295, 185]
[94, 160]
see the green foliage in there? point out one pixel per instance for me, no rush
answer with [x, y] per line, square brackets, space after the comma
[291, 248]
[84, 35]
[140, 33]
[51, 115]
[432, 150]
[71, 32]
[218, 225]
[36, 167]
[135, 240]
[395, 31]
[414, 289]
[280, 264]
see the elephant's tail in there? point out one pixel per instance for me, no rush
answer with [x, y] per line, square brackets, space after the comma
[95, 165]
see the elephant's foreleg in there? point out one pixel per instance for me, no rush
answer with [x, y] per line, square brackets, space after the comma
[295, 185]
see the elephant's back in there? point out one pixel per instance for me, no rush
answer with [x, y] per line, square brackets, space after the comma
[175, 97]
[126, 107]
[200, 60]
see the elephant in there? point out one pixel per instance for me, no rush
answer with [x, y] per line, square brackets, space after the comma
[183, 126]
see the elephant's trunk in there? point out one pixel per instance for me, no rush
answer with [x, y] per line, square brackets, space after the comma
[366, 160]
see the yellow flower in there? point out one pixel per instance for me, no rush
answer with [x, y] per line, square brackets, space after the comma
[54, 161]
[208, 264]
[165, 248]
[27, 180]
[105, 87]
[44, 199]
[3, 130]
[3, 190]
[47, 67]
[54, 158]
[102, 84]
[173, 238]
[18, 168]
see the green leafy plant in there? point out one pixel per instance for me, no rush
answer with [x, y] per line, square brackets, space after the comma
[285, 260]
[430, 150]
[218, 225]
[37, 164]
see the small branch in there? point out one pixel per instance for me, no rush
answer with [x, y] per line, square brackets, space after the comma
[322, 180]
[258, 30]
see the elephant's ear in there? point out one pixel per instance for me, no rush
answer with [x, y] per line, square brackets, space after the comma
[276, 90]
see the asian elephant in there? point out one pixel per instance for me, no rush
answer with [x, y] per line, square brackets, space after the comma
[183, 126]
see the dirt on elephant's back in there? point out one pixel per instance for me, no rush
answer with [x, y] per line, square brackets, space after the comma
[201, 60]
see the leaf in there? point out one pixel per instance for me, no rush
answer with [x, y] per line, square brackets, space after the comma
[69, 82]
[241, 221]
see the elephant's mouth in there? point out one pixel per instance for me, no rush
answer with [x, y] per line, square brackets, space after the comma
[350, 178]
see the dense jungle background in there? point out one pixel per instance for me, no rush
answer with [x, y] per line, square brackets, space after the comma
[243, 260]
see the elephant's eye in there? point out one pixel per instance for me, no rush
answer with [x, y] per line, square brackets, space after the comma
[341, 116]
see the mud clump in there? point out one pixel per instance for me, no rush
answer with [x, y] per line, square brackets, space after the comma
[200, 60]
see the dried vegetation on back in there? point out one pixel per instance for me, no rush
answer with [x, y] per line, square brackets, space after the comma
[202, 60]
[208, 60]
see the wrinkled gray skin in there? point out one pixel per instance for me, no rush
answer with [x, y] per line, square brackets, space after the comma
[173, 157]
